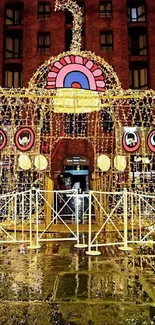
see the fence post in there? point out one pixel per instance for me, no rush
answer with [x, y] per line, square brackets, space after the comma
[36, 245]
[125, 210]
[78, 245]
[91, 252]
[15, 218]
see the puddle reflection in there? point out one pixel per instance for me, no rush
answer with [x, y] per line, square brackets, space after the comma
[60, 285]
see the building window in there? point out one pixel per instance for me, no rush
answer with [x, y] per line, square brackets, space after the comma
[13, 75]
[136, 13]
[14, 14]
[68, 38]
[44, 10]
[137, 42]
[76, 124]
[13, 46]
[44, 42]
[138, 76]
[83, 41]
[107, 123]
[105, 9]
[106, 41]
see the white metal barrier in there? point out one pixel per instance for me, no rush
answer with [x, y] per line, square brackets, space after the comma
[61, 211]
[129, 215]
[15, 212]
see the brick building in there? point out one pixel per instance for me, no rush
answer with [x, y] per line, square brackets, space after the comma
[120, 31]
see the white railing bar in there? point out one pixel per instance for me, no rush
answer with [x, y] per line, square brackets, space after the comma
[108, 217]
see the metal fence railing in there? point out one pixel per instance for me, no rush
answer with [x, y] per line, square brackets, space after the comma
[34, 215]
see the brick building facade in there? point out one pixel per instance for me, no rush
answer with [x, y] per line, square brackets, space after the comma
[120, 31]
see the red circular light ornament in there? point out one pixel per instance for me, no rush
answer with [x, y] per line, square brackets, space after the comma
[151, 140]
[24, 139]
[3, 139]
[131, 141]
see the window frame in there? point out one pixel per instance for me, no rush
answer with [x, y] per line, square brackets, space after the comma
[14, 8]
[139, 69]
[76, 124]
[13, 69]
[106, 45]
[44, 14]
[15, 55]
[135, 48]
[138, 17]
[44, 46]
[105, 13]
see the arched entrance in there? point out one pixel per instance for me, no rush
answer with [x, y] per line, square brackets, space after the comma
[77, 167]
[75, 156]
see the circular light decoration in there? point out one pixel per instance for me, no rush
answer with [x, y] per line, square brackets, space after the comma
[120, 163]
[24, 162]
[74, 71]
[41, 162]
[151, 140]
[103, 163]
[131, 141]
[24, 139]
[3, 139]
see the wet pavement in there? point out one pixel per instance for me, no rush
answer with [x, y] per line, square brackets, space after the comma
[60, 285]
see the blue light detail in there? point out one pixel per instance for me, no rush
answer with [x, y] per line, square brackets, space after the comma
[76, 76]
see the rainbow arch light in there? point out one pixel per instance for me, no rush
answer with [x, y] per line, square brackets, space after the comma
[74, 71]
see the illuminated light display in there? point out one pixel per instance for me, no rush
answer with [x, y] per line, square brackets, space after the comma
[76, 72]
[103, 163]
[24, 162]
[120, 163]
[151, 140]
[131, 141]
[65, 101]
[24, 139]
[3, 139]
[41, 162]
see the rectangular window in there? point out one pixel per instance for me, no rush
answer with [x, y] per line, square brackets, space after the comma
[68, 37]
[139, 78]
[137, 14]
[13, 79]
[13, 48]
[14, 14]
[106, 41]
[44, 42]
[105, 9]
[44, 10]
[76, 124]
[137, 42]
[142, 45]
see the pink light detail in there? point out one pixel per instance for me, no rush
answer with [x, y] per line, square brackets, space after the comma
[51, 79]
[58, 65]
[67, 59]
[52, 74]
[89, 64]
[100, 83]
[99, 78]
[75, 67]
[97, 72]
[50, 83]
[79, 59]
[101, 89]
